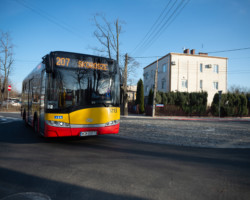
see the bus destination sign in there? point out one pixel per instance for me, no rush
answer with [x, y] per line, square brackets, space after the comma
[68, 62]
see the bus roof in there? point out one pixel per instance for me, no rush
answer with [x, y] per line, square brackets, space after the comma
[77, 54]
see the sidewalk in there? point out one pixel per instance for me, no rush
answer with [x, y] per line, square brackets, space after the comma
[186, 118]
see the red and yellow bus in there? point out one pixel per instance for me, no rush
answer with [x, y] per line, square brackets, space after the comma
[72, 94]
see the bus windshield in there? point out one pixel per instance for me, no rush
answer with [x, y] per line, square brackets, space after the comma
[79, 87]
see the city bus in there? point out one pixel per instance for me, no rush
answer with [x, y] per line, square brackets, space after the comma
[72, 94]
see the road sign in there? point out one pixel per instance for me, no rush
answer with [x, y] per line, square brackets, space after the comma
[220, 92]
[9, 88]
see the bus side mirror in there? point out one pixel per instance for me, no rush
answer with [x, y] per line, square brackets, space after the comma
[48, 61]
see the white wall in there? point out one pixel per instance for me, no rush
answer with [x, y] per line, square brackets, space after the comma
[187, 68]
[161, 75]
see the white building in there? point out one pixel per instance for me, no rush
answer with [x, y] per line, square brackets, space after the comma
[131, 91]
[188, 72]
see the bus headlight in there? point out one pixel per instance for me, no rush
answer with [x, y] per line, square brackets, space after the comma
[112, 123]
[57, 123]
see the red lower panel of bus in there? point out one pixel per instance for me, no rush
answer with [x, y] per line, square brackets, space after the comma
[51, 131]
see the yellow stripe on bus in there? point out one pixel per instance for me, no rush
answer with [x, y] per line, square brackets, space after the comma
[95, 115]
[100, 115]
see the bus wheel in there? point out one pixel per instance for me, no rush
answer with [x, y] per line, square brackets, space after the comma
[24, 115]
[35, 126]
[24, 118]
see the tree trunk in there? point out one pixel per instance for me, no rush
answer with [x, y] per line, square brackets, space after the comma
[125, 86]
[117, 41]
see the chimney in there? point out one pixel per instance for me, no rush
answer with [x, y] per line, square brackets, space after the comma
[186, 51]
[193, 51]
[203, 54]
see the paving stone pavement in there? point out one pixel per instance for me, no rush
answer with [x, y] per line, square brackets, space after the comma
[212, 134]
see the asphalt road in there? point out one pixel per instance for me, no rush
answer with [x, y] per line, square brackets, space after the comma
[194, 132]
[113, 167]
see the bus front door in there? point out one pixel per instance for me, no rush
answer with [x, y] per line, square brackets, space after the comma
[29, 113]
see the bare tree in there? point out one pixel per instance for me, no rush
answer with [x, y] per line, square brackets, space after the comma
[102, 34]
[6, 61]
[107, 34]
[132, 66]
[238, 89]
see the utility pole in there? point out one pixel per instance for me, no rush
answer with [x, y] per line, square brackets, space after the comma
[125, 97]
[220, 92]
[117, 41]
[1, 93]
[155, 88]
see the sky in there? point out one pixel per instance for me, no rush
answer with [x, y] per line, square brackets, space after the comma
[38, 27]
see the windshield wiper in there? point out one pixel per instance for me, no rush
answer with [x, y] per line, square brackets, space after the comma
[100, 102]
[104, 104]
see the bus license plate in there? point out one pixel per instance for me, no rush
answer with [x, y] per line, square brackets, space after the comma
[88, 133]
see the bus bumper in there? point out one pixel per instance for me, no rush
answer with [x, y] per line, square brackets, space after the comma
[51, 131]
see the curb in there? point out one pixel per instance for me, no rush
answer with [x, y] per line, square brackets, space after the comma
[174, 118]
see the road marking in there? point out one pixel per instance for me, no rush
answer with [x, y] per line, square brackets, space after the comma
[14, 118]
[27, 195]
[5, 120]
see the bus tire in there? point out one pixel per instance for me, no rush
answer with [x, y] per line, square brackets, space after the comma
[35, 124]
[24, 115]
[24, 118]
[36, 127]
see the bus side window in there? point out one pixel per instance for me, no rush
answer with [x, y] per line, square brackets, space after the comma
[43, 88]
[43, 83]
[36, 89]
[34, 95]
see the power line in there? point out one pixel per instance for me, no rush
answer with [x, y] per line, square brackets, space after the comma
[148, 57]
[239, 58]
[222, 51]
[153, 26]
[20, 60]
[48, 17]
[167, 23]
[155, 31]
[163, 25]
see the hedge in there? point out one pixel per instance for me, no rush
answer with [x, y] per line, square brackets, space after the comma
[232, 105]
[195, 103]
[191, 103]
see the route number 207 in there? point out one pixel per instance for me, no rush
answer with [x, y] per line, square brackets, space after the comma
[62, 61]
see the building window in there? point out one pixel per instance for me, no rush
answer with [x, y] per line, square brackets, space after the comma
[159, 69]
[152, 74]
[164, 68]
[208, 66]
[146, 76]
[147, 89]
[184, 83]
[216, 85]
[201, 84]
[201, 67]
[216, 69]
[163, 84]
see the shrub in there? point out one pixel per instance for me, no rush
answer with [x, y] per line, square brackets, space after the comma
[191, 103]
[150, 97]
[231, 105]
[158, 98]
[140, 96]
